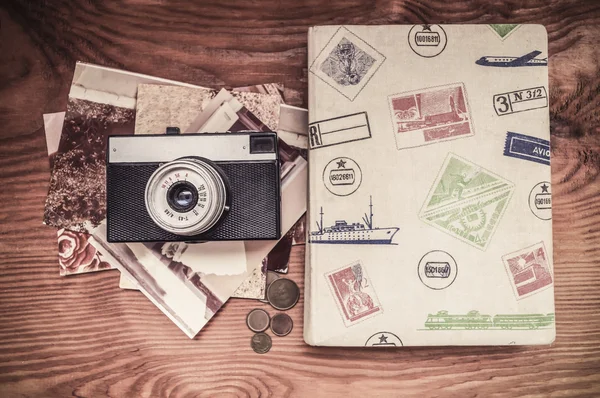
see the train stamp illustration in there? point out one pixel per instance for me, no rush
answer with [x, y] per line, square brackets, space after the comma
[466, 201]
[522, 146]
[347, 63]
[540, 200]
[353, 293]
[520, 100]
[339, 130]
[427, 41]
[384, 340]
[529, 270]
[430, 115]
[437, 269]
[342, 176]
[503, 31]
[474, 320]
[354, 233]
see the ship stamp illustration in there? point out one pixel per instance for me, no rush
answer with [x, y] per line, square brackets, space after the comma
[466, 201]
[355, 233]
[384, 340]
[347, 63]
[520, 100]
[342, 176]
[430, 115]
[540, 200]
[502, 61]
[529, 270]
[503, 31]
[339, 130]
[353, 293]
[437, 269]
[427, 40]
[474, 320]
[522, 146]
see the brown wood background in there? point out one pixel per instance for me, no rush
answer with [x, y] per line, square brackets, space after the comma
[82, 336]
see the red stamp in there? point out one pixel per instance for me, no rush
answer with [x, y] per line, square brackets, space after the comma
[529, 270]
[353, 293]
[430, 115]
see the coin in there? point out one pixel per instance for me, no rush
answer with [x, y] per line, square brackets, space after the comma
[271, 277]
[261, 343]
[283, 294]
[281, 325]
[258, 320]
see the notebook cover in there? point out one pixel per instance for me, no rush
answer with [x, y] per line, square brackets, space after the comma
[429, 186]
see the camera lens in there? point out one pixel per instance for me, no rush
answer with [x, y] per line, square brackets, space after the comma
[182, 196]
[187, 196]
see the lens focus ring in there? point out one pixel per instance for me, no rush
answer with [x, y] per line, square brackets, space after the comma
[186, 196]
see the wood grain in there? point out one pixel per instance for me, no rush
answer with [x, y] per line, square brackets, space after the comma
[84, 337]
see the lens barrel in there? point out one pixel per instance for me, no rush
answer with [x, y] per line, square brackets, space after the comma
[187, 196]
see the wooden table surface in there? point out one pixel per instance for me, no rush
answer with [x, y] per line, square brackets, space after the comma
[82, 336]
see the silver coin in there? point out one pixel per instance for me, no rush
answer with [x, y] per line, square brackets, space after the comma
[281, 325]
[261, 343]
[258, 320]
[283, 294]
[271, 277]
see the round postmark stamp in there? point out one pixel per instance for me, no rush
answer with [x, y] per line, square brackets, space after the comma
[427, 40]
[437, 269]
[540, 200]
[384, 339]
[342, 176]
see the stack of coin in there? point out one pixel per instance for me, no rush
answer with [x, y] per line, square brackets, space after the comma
[282, 294]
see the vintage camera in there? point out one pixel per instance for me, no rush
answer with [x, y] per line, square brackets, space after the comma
[193, 187]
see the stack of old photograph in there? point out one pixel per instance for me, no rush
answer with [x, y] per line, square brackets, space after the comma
[189, 282]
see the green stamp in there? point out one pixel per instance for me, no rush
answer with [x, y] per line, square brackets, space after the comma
[503, 30]
[473, 320]
[466, 201]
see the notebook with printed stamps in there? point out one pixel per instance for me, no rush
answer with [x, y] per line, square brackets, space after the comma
[430, 202]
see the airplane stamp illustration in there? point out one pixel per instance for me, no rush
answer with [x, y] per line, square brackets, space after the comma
[430, 115]
[384, 340]
[466, 201]
[347, 63]
[540, 200]
[474, 320]
[339, 130]
[353, 293]
[437, 269]
[529, 270]
[355, 233]
[529, 59]
[520, 100]
[342, 176]
[503, 31]
[525, 147]
[427, 40]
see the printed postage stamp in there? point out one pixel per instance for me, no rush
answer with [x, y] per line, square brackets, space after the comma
[427, 41]
[522, 146]
[353, 293]
[347, 63]
[430, 115]
[384, 340]
[339, 130]
[520, 100]
[529, 270]
[540, 200]
[503, 30]
[466, 201]
[342, 176]
[437, 269]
